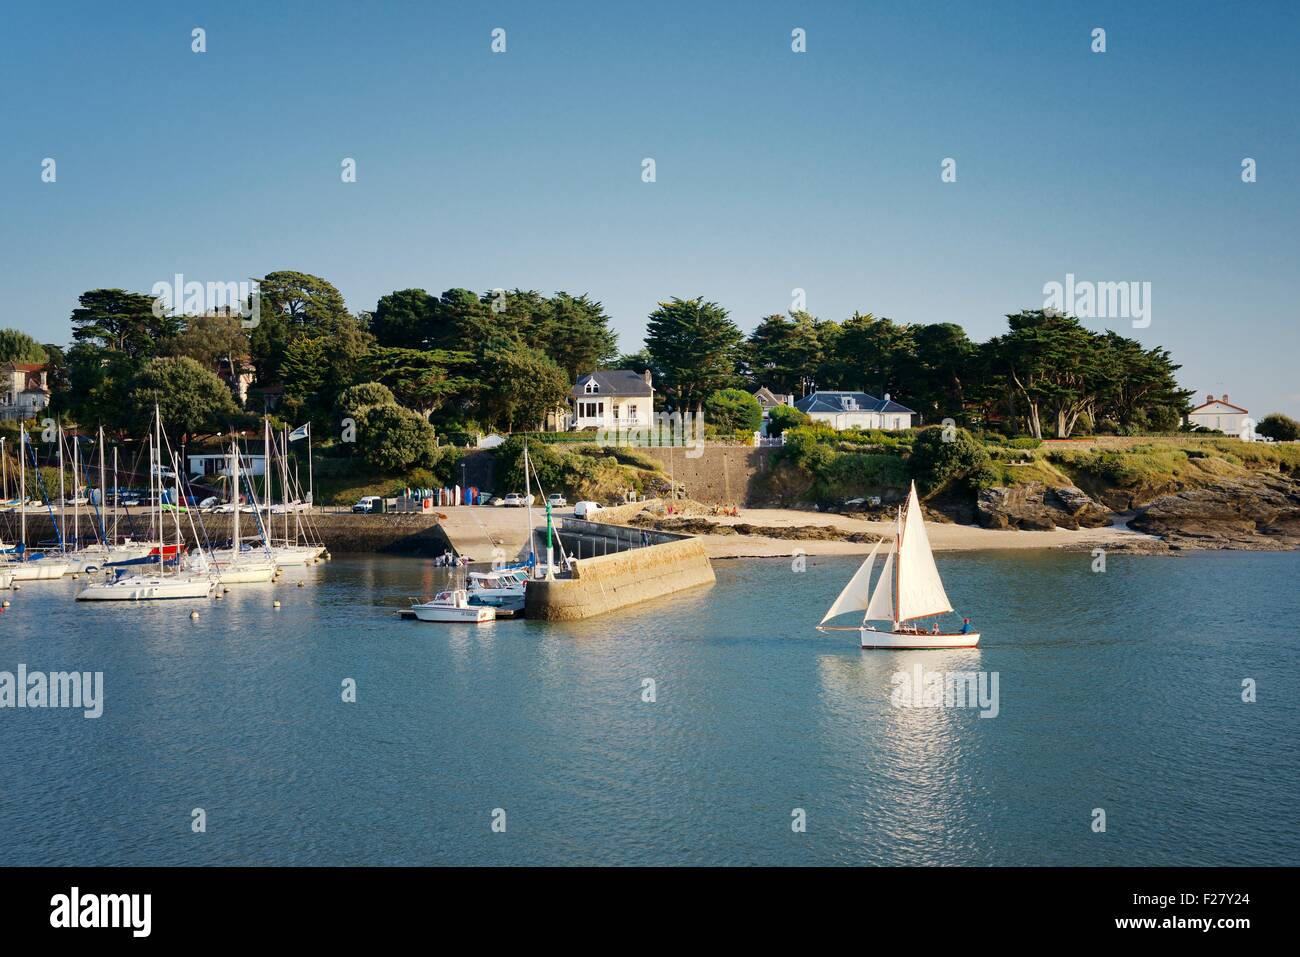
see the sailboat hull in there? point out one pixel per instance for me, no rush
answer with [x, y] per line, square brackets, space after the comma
[905, 641]
[246, 573]
[148, 588]
[296, 554]
[40, 571]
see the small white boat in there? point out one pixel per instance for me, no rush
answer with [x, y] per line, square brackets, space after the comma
[908, 589]
[6, 578]
[452, 606]
[39, 570]
[500, 585]
[149, 588]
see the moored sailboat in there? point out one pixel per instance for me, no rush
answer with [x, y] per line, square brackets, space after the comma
[24, 565]
[240, 565]
[156, 585]
[907, 590]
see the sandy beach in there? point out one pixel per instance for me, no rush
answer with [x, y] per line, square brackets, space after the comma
[943, 536]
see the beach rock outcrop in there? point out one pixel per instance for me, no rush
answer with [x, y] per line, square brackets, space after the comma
[1035, 506]
[1259, 512]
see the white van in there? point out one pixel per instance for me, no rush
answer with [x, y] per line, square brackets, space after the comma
[585, 509]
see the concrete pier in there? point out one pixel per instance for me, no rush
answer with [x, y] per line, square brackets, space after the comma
[670, 563]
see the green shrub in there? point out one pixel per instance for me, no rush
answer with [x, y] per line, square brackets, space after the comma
[940, 458]
[1279, 427]
[733, 410]
[782, 417]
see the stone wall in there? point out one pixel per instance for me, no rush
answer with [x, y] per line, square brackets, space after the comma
[605, 584]
[722, 474]
[341, 532]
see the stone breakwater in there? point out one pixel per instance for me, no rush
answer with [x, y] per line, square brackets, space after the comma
[671, 563]
[341, 532]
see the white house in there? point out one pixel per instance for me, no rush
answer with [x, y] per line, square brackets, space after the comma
[24, 392]
[212, 465]
[619, 399]
[848, 410]
[1219, 414]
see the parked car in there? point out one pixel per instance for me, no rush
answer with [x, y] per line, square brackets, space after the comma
[368, 505]
[514, 500]
[585, 509]
[556, 500]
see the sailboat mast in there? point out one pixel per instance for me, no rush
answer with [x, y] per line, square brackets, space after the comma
[266, 475]
[234, 481]
[117, 494]
[63, 498]
[22, 487]
[155, 467]
[103, 486]
[284, 482]
[76, 488]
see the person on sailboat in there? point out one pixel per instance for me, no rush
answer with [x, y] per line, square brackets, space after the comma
[965, 626]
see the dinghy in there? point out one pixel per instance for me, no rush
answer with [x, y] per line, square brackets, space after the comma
[907, 590]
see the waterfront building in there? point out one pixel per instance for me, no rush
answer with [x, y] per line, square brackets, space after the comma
[24, 390]
[1219, 414]
[850, 410]
[613, 399]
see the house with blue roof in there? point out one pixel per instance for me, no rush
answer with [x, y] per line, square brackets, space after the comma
[849, 410]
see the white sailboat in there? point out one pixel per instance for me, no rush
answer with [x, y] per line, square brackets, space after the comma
[235, 566]
[292, 550]
[28, 568]
[153, 586]
[908, 589]
[95, 556]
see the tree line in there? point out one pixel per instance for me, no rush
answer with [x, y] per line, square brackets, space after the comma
[1046, 375]
[503, 359]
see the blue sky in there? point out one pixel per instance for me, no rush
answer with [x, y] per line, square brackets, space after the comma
[775, 170]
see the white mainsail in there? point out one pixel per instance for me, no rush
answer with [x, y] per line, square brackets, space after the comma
[918, 590]
[856, 593]
[882, 600]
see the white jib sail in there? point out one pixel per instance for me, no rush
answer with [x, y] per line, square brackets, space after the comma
[920, 592]
[856, 593]
[882, 600]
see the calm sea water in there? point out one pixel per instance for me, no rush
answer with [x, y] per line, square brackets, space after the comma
[1119, 691]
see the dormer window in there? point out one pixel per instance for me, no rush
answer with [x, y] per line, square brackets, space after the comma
[591, 388]
[848, 402]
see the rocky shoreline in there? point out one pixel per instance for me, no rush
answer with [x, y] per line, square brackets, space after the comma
[1255, 512]
[1259, 512]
